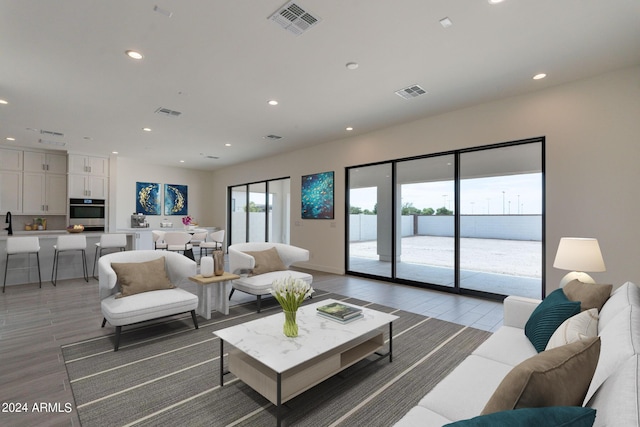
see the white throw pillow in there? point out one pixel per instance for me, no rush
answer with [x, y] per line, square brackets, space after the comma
[581, 326]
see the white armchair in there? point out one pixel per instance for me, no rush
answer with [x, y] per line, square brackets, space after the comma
[146, 305]
[243, 264]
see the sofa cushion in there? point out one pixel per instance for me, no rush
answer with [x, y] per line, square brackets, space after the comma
[266, 261]
[578, 327]
[564, 416]
[260, 285]
[146, 306]
[545, 319]
[620, 340]
[138, 277]
[626, 295]
[471, 382]
[617, 400]
[557, 377]
[507, 345]
[590, 295]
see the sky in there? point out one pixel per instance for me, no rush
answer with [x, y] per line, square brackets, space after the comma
[514, 194]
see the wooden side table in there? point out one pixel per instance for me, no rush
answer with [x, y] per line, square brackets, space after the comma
[204, 293]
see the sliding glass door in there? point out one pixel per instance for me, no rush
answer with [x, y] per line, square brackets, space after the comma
[501, 220]
[259, 212]
[371, 220]
[426, 218]
[469, 221]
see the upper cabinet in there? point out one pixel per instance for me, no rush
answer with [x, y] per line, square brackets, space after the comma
[45, 162]
[88, 165]
[10, 160]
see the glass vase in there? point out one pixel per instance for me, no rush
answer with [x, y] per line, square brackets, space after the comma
[290, 327]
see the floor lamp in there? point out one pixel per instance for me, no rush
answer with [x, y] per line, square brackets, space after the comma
[579, 255]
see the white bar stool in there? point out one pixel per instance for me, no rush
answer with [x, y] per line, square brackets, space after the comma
[22, 245]
[65, 244]
[109, 241]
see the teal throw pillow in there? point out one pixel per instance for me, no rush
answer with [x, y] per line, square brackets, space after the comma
[548, 316]
[551, 416]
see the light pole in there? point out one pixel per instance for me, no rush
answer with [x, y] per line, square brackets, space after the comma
[502, 202]
[518, 204]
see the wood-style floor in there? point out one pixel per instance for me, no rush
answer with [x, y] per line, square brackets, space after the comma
[35, 322]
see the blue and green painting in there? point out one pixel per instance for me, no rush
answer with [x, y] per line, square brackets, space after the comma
[148, 198]
[317, 196]
[175, 199]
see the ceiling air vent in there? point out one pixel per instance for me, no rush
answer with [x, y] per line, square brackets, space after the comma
[411, 92]
[51, 133]
[294, 19]
[167, 112]
[272, 137]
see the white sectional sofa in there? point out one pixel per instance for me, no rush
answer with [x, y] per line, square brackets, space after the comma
[613, 391]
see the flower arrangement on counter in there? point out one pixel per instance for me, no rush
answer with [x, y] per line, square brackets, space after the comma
[186, 220]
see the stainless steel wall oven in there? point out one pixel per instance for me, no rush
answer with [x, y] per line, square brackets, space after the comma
[88, 212]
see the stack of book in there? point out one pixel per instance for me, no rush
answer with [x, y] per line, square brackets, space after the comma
[340, 312]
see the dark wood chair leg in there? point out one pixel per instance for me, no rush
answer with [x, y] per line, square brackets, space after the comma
[117, 343]
[231, 293]
[104, 322]
[259, 299]
[195, 321]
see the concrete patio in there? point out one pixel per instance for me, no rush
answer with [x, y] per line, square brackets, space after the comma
[506, 267]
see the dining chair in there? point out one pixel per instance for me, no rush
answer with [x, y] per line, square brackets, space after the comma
[215, 242]
[158, 240]
[179, 241]
[198, 237]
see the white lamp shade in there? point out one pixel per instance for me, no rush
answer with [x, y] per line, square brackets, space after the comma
[579, 254]
[206, 266]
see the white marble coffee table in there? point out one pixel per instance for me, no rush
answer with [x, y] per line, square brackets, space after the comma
[280, 368]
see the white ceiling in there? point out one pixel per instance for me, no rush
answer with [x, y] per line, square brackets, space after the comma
[63, 68]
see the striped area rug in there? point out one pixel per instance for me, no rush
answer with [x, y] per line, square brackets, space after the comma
[168, 374]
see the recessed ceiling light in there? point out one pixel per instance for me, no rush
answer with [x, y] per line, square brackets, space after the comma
[133, 54]
[495, 1]
[114, 152]
[146, 129]
[349, 129]
[10, 138]
[446, 22]
[273, 102]
[227, 145]
[352, 65]
[2, 101]
[539, 76]
[181, 161]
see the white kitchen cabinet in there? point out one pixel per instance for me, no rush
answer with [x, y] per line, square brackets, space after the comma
[143, 240]
[35, 161]
[10, 192]
[11, 160]
[88, 186]
[44, 194]
[88, 165]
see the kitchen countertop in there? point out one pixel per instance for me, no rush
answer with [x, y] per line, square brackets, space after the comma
[47, 234]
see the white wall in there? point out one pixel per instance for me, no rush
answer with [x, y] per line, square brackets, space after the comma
[125, 172]
[592, 130]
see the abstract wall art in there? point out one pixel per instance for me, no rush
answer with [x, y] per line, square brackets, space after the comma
[175, 199]
[317, 196]
[148, 198]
